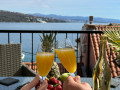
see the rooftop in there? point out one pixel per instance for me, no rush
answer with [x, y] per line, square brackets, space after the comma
[95, 42]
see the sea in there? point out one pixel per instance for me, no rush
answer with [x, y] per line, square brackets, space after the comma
[27, 37]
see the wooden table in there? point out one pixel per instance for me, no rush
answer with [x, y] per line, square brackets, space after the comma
[23, 80]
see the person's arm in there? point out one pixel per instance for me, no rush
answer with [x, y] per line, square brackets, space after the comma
[34, 82]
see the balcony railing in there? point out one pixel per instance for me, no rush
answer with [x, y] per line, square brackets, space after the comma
[32, 65]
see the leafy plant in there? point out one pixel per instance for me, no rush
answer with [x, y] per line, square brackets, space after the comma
[113, 39]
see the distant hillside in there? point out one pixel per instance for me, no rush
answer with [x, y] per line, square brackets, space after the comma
[7, 16]
[79, 18]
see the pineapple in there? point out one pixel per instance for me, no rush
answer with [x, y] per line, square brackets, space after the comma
[47, 43]
[54, 72]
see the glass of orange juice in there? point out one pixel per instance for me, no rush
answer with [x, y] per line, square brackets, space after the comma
[44, 57]
[66, 54]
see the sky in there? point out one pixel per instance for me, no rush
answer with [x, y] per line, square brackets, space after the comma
[96, 8]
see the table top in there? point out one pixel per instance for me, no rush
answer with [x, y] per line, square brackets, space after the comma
[90, 81]
[23, 80]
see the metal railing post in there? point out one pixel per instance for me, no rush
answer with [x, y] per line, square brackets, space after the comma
[20, 38]
[88, 58]
[77, 55]
[77, 46]
[8, 37]
[32, 52]
[55, 48]
[66, 35]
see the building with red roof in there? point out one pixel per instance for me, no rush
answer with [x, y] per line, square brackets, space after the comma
[94, 48]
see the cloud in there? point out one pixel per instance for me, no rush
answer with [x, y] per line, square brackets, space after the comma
[45, 6]
[42, 3]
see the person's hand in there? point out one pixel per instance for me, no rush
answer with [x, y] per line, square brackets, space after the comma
[74, 83]
[34, 82]
[43, 86]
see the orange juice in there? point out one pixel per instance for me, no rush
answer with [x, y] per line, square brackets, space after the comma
[67, 58]
[44, 62]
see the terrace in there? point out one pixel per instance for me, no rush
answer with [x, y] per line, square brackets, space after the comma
[87, 44]
[87, 51]
[80, 66]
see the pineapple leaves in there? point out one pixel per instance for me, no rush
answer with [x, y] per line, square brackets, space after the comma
[47, 41]
[41, 38]
[48, 37]
[54, 37]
